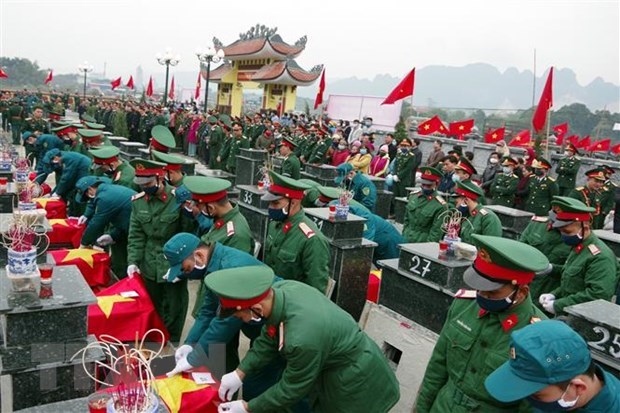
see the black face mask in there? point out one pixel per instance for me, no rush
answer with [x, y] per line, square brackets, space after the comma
[109, 172]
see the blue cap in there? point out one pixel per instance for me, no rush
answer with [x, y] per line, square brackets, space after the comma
[49, 155]
[343, 170]
[541, 354]
[86, 182]
[177, 249]
[26, 135]
[182, 194]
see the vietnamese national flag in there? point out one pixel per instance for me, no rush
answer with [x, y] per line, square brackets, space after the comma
[171, 91]
[115, 83]
[600, 146]
[402, 90]
[93, 264]
[431, 125]
[319, 95]
[495, 136]
[573, 139]
[198, 87]
[523, 138]
[149, 88]
[544, 104]
[615, 149]
[462, 127]
[3, 74]
[49, 77]
[561, 130]
[584, 143]
[130, 84]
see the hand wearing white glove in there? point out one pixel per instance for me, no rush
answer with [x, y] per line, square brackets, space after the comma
[132, 269]
[238, 406]
[545, 297]
[395, 178]
[549, 306]
[182, 365]
[167, 275]
[82, 220]
[229, 385]
[55, 196]
[104, 240]
[182, 352]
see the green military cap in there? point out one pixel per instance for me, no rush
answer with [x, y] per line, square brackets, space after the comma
[104, 155]
[597, 173]
[88, 118]
[90, 135]
[212, 119]
[174, 163]
[465, 165]
[569, 210]
[430, 175]
[541, 163]
[176, 250]
[509, 161]
[287, 141]
[502, 261]
[309, 182]
[242, 287]
[329, 193]
[543, 353]
[468, 189]
[205, 189]
[162, 139]
[343, 170]
[64, 129]
[93, 125]
[284, 187]
[225, 119]
[146, 169]
[59, 122]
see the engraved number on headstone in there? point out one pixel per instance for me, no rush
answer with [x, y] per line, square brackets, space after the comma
[614, 347]
[423, 264]
[319, 222]
[247, 197]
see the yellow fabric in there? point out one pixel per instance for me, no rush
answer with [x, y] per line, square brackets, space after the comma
[106, 303]
[85, 254]
[171, 390]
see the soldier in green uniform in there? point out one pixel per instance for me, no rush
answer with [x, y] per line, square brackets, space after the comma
[320, 150]
[216, 140]
[106, 161]
[608, 202]
[161, 139]
[89, 139]
[475, 218]
[567, 170]
[108, 212]
[229, 228]
[326, 354]
[403, 169]
[38, 126]
[291, 165]
[174, 167]
[295, 248]
[591, 269]
[592, 196]
[155, 217]
[4, 110]
[504, 186]
[16, 119]
[364, 190]
[310, 142]
[222, 156]
[423, 214]
[541, 188]
[238, 141]
[475, 338]
[541, 235]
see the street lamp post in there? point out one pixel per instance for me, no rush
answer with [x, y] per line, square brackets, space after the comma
[207, 56]
[86, 69]
[168, 60]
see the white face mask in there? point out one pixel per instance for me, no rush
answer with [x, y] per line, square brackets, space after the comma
[363, 151]
[493, 160]
[199, 267]
[567, 153]
[341, 147]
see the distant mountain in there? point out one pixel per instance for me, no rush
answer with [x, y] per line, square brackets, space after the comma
[481, 85]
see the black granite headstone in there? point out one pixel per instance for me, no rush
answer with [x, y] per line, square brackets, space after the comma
[8, 199]
[249, 165]
[384, 200]
[611, 239]
[7, 174]
[513, 220]
[117, 140]
[276, 164]
[400, 206]
[379, 182]
[351, 228]
[599, 323]
[217, 173]
[251, 195]
[131, 148]
[258, 221]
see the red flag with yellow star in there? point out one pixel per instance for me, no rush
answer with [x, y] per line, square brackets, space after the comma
[402, 90]
[93, 264]
[124, 309]
[55, 208]
[65, 231]
[523, 138]
[600, 146]
[494, 136]
[544, 104]
[462, 127]
[584, 143]
[182, 394]
[432, 125]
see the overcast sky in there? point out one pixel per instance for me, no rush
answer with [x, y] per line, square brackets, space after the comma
[350, 38]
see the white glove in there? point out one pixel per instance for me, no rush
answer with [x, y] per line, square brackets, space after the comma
[238, 406]
[395, 178]
[182, 352]
[132, 269]
[545, 297]
[167, 274]
[105, 239]
[182, 365]
[229, 385]
[82, 220]
[55, 196]
[549, 306]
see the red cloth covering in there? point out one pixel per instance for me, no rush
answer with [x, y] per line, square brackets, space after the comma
[124, 309]
[374, 282]
[93, 264]
[56, 208]
[66, 231]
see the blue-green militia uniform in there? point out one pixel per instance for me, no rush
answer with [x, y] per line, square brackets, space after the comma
[73, 166]
[154, 219]
[111, 210]
[364, 191]
[380, 231]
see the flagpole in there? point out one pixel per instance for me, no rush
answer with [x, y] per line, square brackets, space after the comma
[533, 90]
[548, 131]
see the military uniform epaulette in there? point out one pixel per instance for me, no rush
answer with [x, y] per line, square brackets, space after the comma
[550, 178]
[540, 219]
[416, 191]
[465, 294]
[579, 188]
[138, 195]
[308, 232]
[440, 199]
[483, 211]
[515, 176]
[594, 250]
